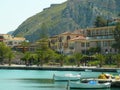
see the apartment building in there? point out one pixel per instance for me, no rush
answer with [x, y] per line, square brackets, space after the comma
[101, 37]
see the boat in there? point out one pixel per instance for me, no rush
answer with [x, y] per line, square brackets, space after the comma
[105, 77]
[66, 77]
[88, 85]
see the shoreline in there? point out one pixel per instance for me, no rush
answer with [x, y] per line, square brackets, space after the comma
[58, 68]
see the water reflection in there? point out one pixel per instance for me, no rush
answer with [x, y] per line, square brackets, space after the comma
[36, 80]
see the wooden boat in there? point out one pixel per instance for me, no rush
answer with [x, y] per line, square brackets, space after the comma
[88, 85]
[66, 77]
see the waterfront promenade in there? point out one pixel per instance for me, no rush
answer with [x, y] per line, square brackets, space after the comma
[58, 68]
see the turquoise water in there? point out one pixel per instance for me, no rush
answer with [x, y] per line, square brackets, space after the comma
[37, 79]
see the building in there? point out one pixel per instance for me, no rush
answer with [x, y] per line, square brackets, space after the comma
[101, 37]
[82, 40]
[62, 42]
[10, 40]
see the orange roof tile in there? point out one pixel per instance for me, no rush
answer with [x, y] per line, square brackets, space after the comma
[78, 38]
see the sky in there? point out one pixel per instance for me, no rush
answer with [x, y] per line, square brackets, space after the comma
[14, 12]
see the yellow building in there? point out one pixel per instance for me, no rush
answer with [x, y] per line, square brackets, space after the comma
[102, 37]
[62, 42]
[10, 40]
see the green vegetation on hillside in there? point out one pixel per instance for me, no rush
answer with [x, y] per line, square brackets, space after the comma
[68, 16]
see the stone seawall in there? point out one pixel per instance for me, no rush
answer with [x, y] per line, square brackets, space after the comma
[88, 69]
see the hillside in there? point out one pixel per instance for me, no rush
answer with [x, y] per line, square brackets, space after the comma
[68, 16]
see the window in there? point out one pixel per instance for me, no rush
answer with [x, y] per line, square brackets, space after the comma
[10, 43]
[98, 44]
[87, 44]
[68, 38]
[15, 42]
[82, 44]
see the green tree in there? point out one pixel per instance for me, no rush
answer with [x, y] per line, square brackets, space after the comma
[109, 59]
[117, 59]
[43, 45]
[70, 60]
[117, 37]
[61, 59]
[100, 22]
[10, 55]
[42, 50]
[26, 57]
[101, 59]
[24, 46]
[94, 50]
[4, 50]
[78, 57]
[52, 56]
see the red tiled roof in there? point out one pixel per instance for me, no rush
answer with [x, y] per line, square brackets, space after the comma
[78, 38]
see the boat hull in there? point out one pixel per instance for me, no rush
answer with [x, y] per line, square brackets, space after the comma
[66, 78]
[88, 86]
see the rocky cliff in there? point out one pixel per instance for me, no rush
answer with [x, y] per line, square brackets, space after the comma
[68, 16]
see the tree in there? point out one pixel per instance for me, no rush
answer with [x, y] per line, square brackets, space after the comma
[94, 50]
[78, 57]
[117, 59]
[70, 60]
[117, 37]
[4, 50]
[26, 57]
[24, 46]
[42, 50]
[108, 59]
[43, 45]
[10, 55]
[61, 59]
[101, 59]
[100, 22]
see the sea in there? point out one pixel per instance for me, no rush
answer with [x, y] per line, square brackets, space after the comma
[40, 79]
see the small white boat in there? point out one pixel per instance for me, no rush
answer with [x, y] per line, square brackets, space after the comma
[88, 85]
[66, 77]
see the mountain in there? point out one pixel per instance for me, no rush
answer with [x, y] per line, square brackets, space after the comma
[10, 32]
[67, 16]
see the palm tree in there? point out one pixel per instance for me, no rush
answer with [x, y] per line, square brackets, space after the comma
[78, 57]
[61, 59]
[101, 59]
[26, 57]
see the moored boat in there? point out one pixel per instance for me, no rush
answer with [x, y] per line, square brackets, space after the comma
[66, 77]
[88, 85]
